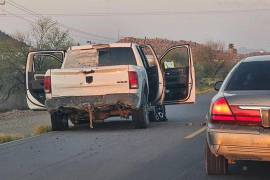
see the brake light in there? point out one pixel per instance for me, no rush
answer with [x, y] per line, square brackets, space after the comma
[246, 115]
[47, 84]
[133, 80]
[223, 112]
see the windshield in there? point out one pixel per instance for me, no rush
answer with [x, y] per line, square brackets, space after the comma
[250, 76]
[100, 57]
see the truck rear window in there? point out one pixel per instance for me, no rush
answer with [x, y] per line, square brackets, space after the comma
[100, 57]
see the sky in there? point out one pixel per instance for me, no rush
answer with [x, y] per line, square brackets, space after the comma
[242, 22]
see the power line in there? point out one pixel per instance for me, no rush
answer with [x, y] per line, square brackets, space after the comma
[152, 13]
[3, 2]
[20, 17]
[33, 13]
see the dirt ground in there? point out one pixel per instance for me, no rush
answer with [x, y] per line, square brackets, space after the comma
[22, 123]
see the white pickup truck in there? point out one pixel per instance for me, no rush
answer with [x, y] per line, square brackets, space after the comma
[90, 83]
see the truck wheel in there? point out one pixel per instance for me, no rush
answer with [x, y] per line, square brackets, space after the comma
[59, 121]
[159, 114]
[140, 116]
[215, 165]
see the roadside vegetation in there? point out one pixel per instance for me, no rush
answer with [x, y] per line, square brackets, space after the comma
[212, 64]
[44, 34]
[41, 130]
[7, 138]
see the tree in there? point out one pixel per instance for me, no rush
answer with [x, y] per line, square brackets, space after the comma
[45, 34]
[211, 62]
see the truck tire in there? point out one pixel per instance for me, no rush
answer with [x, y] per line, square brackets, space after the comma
[158, 114]
[59, 121]
[215, 165]
[140, 116]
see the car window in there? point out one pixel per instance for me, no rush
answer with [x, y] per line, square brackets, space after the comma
[43, 62]
[100, 57]
[143, 57]
[250, 76]
[116, 56]
[176, 58]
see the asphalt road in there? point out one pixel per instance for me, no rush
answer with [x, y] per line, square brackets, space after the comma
[114, 150]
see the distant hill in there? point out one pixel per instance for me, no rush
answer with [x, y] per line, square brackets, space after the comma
[8, 41]
[5, 37]
[159, 45]
[244, 50]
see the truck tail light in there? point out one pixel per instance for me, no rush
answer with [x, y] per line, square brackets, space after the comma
[223, 112]
[47, 84]
[133, 80]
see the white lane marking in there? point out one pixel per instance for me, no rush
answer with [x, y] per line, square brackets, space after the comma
[196, 133]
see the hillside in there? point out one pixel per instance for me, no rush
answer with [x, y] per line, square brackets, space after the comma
[4, 36]
[8, 41]
[12, 56]
[159, 45]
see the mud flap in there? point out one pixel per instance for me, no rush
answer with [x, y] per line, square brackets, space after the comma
[90, 109]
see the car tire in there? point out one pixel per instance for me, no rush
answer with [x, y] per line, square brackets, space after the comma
[158, 114]
[59, 121]
[140, 116]
[215, 165]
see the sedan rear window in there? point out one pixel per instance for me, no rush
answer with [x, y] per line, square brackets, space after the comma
[100, 57]
[250, 76]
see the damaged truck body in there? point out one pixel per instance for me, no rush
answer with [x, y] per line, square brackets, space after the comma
[90, 83]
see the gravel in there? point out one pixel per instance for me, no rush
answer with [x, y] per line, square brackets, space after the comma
[22, 123]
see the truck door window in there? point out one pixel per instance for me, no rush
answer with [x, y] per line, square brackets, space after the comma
[152, 72]
[41, 63]
[176, 67]
[143, 57]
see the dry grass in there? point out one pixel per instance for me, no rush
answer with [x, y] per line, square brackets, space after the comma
[41, 130]
[204, 91]
[7, 138]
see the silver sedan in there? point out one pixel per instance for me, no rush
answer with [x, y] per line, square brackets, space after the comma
[239, 118]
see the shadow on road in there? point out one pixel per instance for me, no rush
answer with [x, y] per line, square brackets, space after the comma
[250, 170]
[117, 125]
[112, 125]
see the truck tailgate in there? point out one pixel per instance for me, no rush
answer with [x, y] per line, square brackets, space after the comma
[90, 81]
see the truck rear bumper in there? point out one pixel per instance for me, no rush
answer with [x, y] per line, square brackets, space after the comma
[78, 102]
[239, 145]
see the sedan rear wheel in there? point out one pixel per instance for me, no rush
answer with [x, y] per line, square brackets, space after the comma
[215, 165]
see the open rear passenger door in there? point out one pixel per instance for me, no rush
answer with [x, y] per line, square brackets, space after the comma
[37, 65]
[177, 66]
[154, 73]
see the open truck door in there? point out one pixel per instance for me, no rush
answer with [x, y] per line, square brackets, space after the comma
[179, 76]
[154, 73]
[37, 65]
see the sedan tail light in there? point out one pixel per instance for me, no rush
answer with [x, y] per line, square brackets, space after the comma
[47, 84]
[133, 80]
[225, 113]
